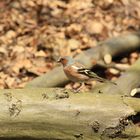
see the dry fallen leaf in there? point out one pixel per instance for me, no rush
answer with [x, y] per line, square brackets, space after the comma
[9, 81]
[10, 34]
[3, 50]
[73, 44]
[40, 54]
[94, 27]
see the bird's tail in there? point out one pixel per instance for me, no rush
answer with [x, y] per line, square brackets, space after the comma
[105, 81]
[100, 79]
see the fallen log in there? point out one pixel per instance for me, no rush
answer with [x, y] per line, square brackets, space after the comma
[58, 114]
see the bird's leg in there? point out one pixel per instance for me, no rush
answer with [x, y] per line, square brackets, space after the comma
[80, 87]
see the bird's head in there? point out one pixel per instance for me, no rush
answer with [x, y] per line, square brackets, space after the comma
[66, 60]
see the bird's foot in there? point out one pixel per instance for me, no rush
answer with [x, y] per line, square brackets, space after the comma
[79, 88]
[76, 90]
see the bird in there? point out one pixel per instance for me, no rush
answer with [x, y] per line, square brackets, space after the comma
[76, 72]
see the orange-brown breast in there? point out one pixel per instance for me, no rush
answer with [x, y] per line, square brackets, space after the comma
[72, 74]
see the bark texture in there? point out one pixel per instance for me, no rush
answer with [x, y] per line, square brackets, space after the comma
[59, 114]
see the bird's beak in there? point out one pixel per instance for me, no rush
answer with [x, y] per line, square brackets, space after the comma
[58, 61]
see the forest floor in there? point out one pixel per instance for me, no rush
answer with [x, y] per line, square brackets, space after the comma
[34, 33]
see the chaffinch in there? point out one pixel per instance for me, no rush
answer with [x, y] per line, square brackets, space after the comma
[76, 72]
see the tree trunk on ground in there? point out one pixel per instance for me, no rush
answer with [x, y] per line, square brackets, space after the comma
[57, 114]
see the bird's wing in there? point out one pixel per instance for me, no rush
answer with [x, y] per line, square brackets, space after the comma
[88, 73]
[93, 75]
